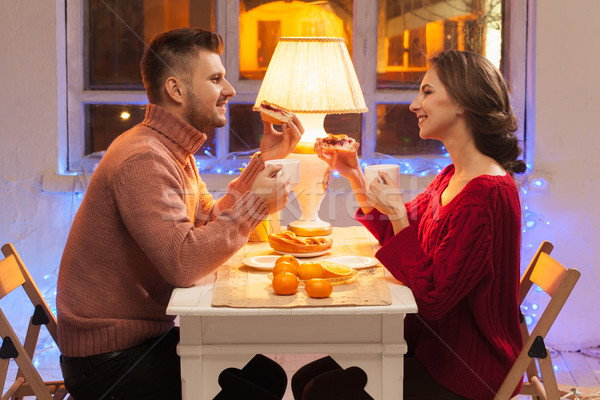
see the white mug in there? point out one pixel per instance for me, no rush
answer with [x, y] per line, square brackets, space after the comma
[289, 166]
[372, 172]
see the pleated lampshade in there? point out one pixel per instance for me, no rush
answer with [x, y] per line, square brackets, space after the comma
[312, 75]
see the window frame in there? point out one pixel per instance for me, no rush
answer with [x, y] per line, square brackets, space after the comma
[516, 54]
[77, 96]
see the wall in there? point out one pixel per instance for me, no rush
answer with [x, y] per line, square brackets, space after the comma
[36, 222]
[566, 117]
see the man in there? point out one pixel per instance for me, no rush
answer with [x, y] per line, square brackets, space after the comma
[147, 224]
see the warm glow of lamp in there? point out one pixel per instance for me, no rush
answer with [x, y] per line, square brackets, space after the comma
[313, 77]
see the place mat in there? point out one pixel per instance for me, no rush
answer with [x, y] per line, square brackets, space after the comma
[243, 287]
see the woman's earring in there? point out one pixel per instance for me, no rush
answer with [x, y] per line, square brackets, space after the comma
[460, 111]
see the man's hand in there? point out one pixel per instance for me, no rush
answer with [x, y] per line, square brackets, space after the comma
[274, 190]
[275, 144]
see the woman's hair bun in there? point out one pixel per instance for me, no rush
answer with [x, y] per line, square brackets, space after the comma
[516, 167]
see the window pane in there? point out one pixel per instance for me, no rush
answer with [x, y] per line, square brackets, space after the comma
[349, 124]
[245, 128]
[398, 132]
[104, 122]
[410, 31]
[263, 22]
[119, 30]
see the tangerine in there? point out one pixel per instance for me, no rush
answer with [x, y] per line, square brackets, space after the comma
[310, 270]
[318, 288]
[334, 270]
[285, 283]
[288, 258]
[285, 266]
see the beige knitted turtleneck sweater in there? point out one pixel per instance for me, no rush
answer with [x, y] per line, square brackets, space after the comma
[147, 224]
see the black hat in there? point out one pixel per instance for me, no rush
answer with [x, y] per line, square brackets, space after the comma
[262, 378]
[325, 379]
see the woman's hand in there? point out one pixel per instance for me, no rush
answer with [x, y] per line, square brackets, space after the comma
[275, 145]
[347, 165]
[344, 162]
[387, 199]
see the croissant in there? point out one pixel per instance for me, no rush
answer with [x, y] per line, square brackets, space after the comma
[288, 242]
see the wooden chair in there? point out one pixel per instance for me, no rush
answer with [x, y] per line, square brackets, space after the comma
[28, 381]
[557, 282]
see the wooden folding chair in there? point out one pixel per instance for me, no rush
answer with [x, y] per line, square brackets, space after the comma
[557, 282]
[28, 381]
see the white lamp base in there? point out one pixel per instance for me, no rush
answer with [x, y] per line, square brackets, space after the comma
[311, 190]
[316, 227]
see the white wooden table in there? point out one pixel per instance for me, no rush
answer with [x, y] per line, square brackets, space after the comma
[216, 338]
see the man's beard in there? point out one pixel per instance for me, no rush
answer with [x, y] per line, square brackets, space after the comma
[200, 116]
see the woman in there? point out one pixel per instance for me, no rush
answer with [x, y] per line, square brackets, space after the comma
[457, 244]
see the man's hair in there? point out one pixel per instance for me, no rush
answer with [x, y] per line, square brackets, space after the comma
[480, 89]
[171, 53]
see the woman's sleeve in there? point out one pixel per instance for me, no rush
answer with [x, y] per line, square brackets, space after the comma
[376, 223]
[441, 276]
[379, 224]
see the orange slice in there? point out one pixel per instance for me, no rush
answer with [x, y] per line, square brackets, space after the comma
[334, 270]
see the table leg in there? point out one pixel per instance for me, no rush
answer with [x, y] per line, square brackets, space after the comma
[190, 352]
[392, 356]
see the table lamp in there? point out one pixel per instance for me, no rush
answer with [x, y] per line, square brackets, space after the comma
[313, 77]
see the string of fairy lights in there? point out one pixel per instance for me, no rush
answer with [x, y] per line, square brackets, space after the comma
[233, 163]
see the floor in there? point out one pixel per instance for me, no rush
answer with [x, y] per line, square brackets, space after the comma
[573, 369]
[580, 370]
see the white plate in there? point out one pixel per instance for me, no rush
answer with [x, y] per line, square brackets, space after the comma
[318, 253]
[356, 262]
[265, 263]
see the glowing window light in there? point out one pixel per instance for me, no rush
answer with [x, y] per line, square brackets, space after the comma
[296, 18]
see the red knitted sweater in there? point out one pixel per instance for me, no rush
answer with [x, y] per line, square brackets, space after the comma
[462, 262]
[146, 224]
